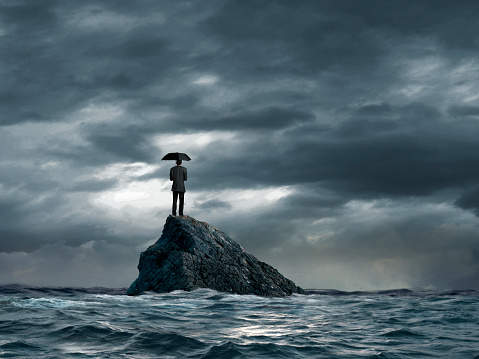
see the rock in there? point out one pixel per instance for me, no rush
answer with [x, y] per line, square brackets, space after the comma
[191, 254]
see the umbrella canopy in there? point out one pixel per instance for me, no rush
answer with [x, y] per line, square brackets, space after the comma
[175, 156]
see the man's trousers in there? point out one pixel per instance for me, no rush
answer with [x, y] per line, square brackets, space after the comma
[175, 200]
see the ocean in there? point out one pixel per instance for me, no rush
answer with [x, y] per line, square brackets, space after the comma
[105, 323]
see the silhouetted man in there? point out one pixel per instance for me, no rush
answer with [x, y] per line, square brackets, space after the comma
[178, 176]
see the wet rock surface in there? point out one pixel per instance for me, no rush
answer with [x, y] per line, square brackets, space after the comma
[191, 254]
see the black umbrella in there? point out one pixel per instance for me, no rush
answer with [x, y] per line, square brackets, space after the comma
[175, 156]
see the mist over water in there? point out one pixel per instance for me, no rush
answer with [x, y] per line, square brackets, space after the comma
[105, 323]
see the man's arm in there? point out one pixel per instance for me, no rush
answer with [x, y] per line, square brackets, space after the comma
[184, 174]
[171, 174]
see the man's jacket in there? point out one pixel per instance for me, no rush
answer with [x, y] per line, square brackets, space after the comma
[178, 176]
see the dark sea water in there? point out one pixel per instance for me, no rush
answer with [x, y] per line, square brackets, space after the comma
[105, 323]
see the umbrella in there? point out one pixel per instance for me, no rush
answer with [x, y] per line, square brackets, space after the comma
[175, 156]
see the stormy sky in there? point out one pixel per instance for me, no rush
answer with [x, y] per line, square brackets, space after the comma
[335, 140]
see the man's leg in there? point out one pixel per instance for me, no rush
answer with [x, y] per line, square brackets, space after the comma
[175, 200]
[182, 202]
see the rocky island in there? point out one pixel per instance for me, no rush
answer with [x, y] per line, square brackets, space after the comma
[191, 254]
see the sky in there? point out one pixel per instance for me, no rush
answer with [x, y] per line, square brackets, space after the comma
[334, 140]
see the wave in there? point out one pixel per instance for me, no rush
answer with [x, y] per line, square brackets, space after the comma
[263, 350]
[401, 333]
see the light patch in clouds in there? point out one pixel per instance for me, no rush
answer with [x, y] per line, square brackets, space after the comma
[98, 111]
[235, 202]
[96, 18]
[255, 200]
[141, 196]
[126, 171]
[140, 203]
[438, 78]
[220, 97]
[206, 80]
[424, 68]
[190, 143]
[465, 79]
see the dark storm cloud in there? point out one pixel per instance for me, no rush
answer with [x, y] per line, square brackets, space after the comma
[10, 210]
[308, 203]
[273, 37]
[125, 146]
[34, 15]
[123, 64]
[50, 69]
[363, 128]
[464, 111]
[272, 118]
[469, 200]
[414, 153]
[27, 240]
[34, 76]
[451, 22]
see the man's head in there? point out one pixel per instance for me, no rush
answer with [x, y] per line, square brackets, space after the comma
[178, 162]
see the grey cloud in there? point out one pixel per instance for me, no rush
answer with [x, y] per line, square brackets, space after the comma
[212, 204]
[30, 74]
[469, 200]
[51, 68]
[141, 49]
[414, 154]
[86, 156]
[58, 264]
[93, 185]
[451, 22]
[362, 128]
[46, 223]
[464, 111]
[16, 239]
[272, 118]
[419, 114]
[308, 203]
[32, 16]
[259, 233]
[306, 45]
[106, 144]
[123, 64]
[399, 165]
[126, 146]
[417, 241]
[414, 249]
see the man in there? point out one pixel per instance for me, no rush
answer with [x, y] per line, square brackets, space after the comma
[178, 176]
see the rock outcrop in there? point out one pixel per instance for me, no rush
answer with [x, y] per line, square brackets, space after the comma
[191, 254]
